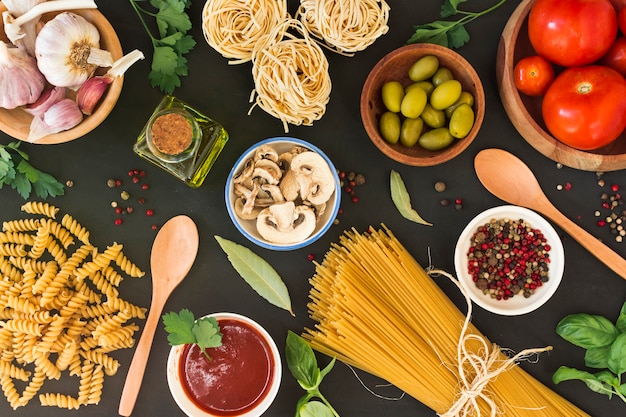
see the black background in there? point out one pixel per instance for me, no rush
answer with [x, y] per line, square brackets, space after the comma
[222, 91]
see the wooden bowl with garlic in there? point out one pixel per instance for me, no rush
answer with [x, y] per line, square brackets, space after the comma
[283, 193]
[19, 108]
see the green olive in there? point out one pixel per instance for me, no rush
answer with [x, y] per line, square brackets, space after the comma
[413, 103]
[436, 139]
[392, 93]
[462, 121]
[443, 74]
[466, 97]
[445, 94]
[424, 68]
[424, 85]
[389, 126]
[432, 117]
[410, 131]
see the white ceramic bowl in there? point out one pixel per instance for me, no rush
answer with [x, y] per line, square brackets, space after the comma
[518, 304]
[248, 227]
[189, 407]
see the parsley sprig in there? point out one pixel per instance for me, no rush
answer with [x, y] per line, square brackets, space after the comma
[449, 33]
[183, 329]
[172, 42]
[17, 172]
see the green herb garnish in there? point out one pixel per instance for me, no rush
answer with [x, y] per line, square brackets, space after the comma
[183, 329]
[16, 171]
[172, 43]
[402, 200]
[446, 33]
[302, 363]
[605, 349]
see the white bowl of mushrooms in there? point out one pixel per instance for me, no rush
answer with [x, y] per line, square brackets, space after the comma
[283, 193]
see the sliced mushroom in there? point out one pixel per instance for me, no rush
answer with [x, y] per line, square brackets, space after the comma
[266, 152]
[248, 196]
[315, 178]
[274, 192]
[286, 223]
[239, 204]
[245, 175]
[268, 171]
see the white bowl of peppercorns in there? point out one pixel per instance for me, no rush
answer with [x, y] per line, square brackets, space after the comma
[509, 260]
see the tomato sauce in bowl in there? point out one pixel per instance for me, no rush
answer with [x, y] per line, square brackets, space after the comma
[241, 379]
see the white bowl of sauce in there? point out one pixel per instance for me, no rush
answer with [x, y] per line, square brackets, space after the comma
[241, 380]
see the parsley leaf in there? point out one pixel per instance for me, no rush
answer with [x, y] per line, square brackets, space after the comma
[19, 174]
[183, 328]
[171, 44]
[448, 33]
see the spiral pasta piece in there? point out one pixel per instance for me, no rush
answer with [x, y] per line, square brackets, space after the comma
[39, 207]
[12, 249]
[345, 26]
[234, 27]
[75, 228]
[59, 400]
[291, 79]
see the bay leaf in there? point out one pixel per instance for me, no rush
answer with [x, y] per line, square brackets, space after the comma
[258, 273]
[402, 200]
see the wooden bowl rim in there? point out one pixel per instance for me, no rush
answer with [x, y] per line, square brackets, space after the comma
[436, 157]
[109, 99]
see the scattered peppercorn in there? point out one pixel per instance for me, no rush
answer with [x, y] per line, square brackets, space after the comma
[111, 183]
[125, 195]
[149, 212]
[118, 221]
[310, 257]
[440, 186]
[69, 183]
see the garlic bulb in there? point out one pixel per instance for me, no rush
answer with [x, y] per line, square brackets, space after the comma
[20, 81]
[62, 115]
[68, 50]
[18, 8]
[46, 100]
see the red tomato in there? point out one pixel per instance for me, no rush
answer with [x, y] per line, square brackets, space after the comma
[616, 56]
[618, 4]
[585, 107]
[533, 75]
[572, 32]
[621, 20]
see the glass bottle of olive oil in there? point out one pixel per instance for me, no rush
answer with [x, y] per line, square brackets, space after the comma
[181, 140]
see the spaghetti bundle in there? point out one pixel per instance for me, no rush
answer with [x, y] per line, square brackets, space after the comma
[377, 309]
[346, 26]
[234, 27]
[291, 78]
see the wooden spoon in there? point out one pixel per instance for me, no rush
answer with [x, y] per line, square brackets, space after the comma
[173, 253]
[510, 179]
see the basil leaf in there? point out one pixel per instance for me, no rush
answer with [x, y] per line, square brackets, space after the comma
[315, 409]
[565, 373]
[257, 273]
[620, 323]
[597, 358]
[402, 200]
[617, 355]
[586, 330]
[301, 361]
[303, 400]
[327, 369]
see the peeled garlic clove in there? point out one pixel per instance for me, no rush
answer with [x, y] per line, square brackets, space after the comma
[61, 116]
[20, 81]
[46, 100]
[68, 50]
[90, 93]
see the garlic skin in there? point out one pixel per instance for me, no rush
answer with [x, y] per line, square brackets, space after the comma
[46, 100]
[90, 93]
[68, 50]
[18, 8]
[62, 115]
[20, 81]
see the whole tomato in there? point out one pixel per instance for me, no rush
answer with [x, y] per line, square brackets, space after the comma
[572, 32]
[533, 75]
[616, 56]
[585, 107]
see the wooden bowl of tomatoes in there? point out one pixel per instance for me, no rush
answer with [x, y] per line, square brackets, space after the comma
[539, 117]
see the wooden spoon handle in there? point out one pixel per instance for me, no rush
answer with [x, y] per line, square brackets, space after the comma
[605, 254]
[138, 364]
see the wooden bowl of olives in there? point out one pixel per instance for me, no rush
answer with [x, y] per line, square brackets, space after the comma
[409, 101]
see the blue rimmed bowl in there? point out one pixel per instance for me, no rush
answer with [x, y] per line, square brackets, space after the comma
[248, 223]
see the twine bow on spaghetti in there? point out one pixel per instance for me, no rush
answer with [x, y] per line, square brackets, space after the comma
[477, 367]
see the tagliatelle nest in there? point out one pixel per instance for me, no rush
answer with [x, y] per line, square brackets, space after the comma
[291, 76]
[345, 26]
[234, 27]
